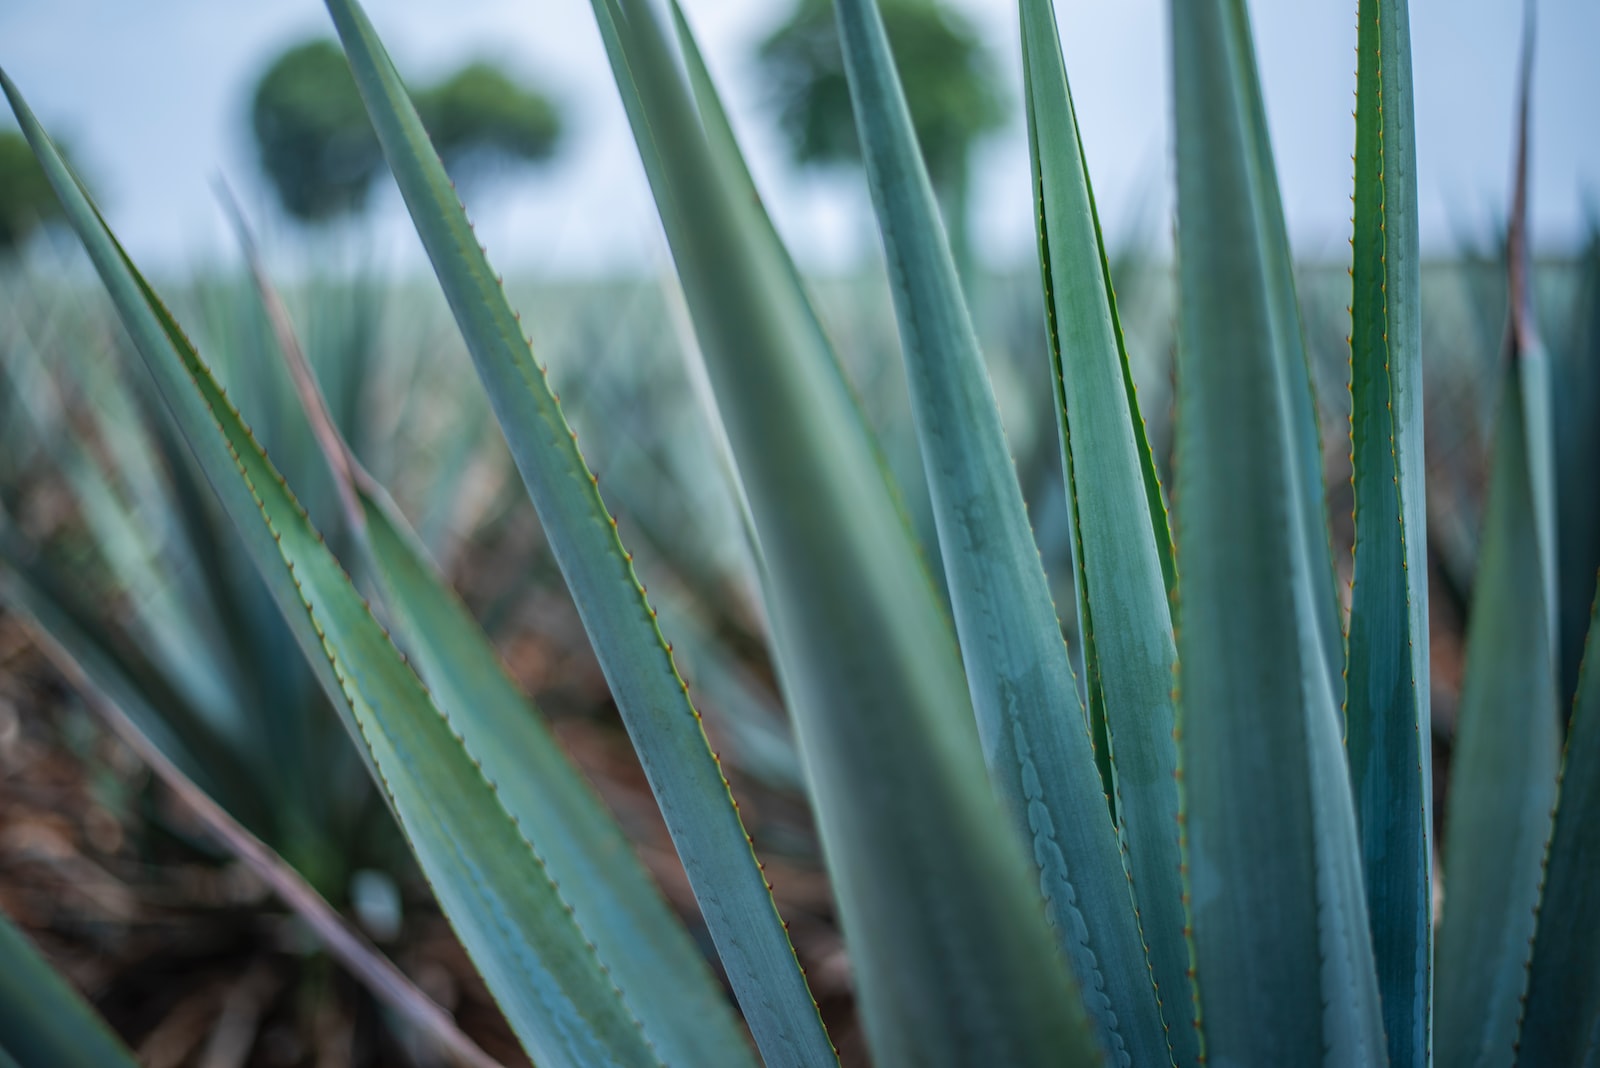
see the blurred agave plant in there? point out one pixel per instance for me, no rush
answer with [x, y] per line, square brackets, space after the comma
[1222, 855]
[156, 590]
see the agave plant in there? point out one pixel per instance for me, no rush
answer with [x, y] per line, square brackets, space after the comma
[191, 628]
[1219, 851]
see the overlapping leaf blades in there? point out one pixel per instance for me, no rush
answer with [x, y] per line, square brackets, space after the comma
[1507, 752]
[683, 772]
[1029, 713]
[1387, 702]
[1121, 544]
[1272, 865]
[1308, 941]
[945, 931]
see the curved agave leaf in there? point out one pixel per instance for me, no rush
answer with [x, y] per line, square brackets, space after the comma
[1561, 1021]
[683, 771]
[1029, 713]
[491, 884]
[1273, 877]
[42, 1019]
[1507, 752]
[953, 964]
[1575, 374]
[1504, 765]
[1386, 701]
[719, 132]
[1288, 338]
[1121, 544]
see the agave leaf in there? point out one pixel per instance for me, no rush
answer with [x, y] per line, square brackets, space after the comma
[1272, 862]
[1030, 717]
[1278, 284]
[719, 131]
[42, 1019]
[1504, 764]
[1121, 544]
[491, 884]
[1386, 702]
[1575, 373]
[1559, 1024]
[1506, 757]
[683, 771]
[947, 937]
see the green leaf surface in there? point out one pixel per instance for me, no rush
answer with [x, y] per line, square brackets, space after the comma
[1277, 283]
[719, 132]
[1387, 697]
[1561, 1021]
[508, 913]
[43, 1021]
[1575, 374]
[683, 772]
[1505, 761]
[1121, 543]
[1030, 717]
[646, 949]
[1273, 876]
[952, 960]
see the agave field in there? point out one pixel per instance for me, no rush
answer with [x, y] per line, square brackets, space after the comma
[1122, 662]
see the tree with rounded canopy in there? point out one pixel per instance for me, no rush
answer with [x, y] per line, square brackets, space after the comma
[951, 84]
[318, 149]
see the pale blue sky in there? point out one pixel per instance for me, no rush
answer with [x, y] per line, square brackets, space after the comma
[153, 96]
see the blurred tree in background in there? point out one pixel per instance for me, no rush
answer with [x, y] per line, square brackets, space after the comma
[318, 149]
[951, 83]
[26, 201]
[480, 119]
[315, 143]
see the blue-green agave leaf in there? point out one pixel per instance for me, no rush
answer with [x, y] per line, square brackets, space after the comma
[1561, 1021]
[1506, 757]
[666, 729]
[1504, 763]
[719, 132]
[1386, 701]
[1575, 377]
[947, 936]
[1269, 840]
[43, 1021]
[1288, 337]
